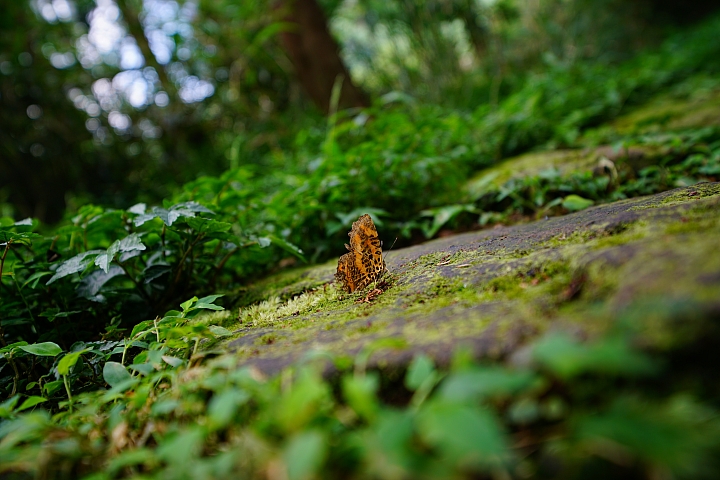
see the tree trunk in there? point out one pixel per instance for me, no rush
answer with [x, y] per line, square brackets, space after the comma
[315, 55]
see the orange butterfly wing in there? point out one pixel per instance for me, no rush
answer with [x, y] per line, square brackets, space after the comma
[363, 264]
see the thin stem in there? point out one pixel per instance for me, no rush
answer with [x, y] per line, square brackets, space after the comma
[67, 389]
[2, 265]
[2, 260]
[197, 343]
[17, 374]
[125, 349]
[142, 291]
[222, 263]
[27, 305]
[185, 254]
[162, 242]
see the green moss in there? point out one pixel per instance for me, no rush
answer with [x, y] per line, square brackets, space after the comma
[287, 283]
[683, 195]
[689, 105]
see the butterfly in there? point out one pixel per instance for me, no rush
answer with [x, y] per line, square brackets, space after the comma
[364, 263]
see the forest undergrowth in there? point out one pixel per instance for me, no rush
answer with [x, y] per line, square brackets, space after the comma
[102, 377]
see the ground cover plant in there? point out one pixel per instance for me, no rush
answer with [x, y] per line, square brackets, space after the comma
[109, 366]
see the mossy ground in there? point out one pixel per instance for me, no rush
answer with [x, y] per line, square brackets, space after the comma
[638, 263]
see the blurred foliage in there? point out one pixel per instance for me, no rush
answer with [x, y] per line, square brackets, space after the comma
[165, 91]
[165, 416]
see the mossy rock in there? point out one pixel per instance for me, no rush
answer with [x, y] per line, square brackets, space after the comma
[651, 265]
[691, 104]
[562, 162]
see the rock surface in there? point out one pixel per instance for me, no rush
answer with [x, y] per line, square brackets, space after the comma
[648, 264]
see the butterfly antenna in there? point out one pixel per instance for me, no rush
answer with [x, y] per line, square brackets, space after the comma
[393, 244]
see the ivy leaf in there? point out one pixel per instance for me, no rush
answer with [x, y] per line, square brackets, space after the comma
[130, 243]
[138, 209]
[127, 244]
[171, 215]
[23, 238]
[91, 285]
[76, 264]
[208, 225]
[154, 272]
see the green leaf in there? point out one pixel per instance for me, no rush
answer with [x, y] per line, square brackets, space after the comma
[31, 402]
[34, 278]
[567, 358]
[464, 435]
[360, 392]
[186, 305]
[76, 264]
[208, 306]
[53, 313]
[287, 246]
[187, 209]
[144, 368]
[219, 331]
[481, 383]
[138, 209]
[210, 298]
[103, 260]
[52, 387]
[154, 272]
[173, 361]
[420, 370]
[224, 405]
[304, 454]
[163, 407]
[23, 238]
[131, 243]
[576, 202]
[12, 346]
[129, 458]
[6, 408]
[442, 215]
[182, 447]
[208, 226]
[114, 373]
[68, 361]
[207, 303]
[45, 349]
[91, 284]
[140, 327]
